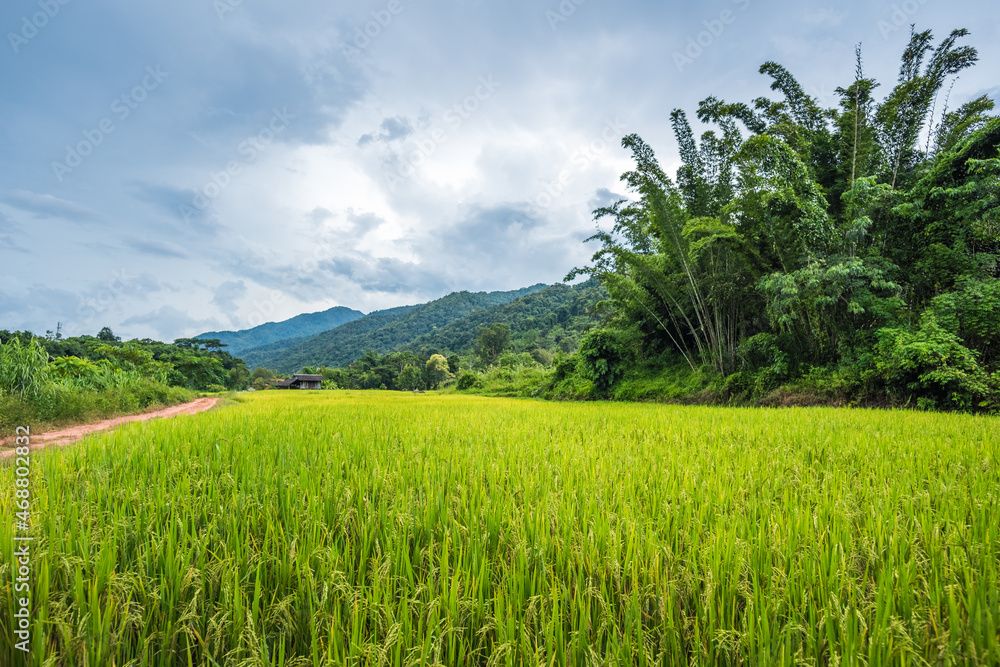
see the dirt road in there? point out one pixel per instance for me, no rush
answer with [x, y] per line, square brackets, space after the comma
[68, 436]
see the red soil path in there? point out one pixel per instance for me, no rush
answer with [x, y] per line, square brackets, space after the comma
[68, 436]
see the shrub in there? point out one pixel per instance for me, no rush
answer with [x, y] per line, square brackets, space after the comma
[604, 355]
[972, 312]
[513, 360]
[542, 356]
[766, 366]
[929, 364]
[467, 380]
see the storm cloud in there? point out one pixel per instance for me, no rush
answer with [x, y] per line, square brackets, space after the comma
[179, 167]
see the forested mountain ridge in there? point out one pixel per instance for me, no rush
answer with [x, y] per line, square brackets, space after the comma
[532, 331]
[380, 332]
[552, 319]
[301, 350]
[300, 326]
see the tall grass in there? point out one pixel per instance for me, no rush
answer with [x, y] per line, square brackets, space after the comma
[383, 529]
[22, 367]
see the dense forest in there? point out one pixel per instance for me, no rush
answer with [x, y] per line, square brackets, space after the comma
[849, 253]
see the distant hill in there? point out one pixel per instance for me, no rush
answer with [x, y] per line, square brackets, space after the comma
[552, 319]
[284, 355]
[299, 327]
[381, 331]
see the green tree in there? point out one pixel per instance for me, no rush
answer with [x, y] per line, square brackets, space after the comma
[437, 371]
[261, 373]
[410, 379]
[23, 367]
[492, 341]
[604, 356]
[108, 336]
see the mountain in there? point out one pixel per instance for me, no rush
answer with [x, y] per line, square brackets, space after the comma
[381, 331]
[283, 355]
[288, 332]
[552, 319]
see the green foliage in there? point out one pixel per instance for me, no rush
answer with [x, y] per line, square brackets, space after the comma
[828, 304]
[261, 373]
[436, 370]
[803, 246]
[132, 356]
[287, 333]
[23, 367]
[546, 321]
[902, 116]
[765, 366]
[948, 225]
[492, 342]
[410, 379]
[528, 380]
[603, 357]
[930, 364]
[467, 380]
[972, 312]
[35, 390]
[664, 380]
[108, 336]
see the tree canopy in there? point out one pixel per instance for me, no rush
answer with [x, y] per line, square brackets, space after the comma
[797, 240]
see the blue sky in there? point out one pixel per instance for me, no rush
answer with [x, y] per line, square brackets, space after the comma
[172, 168]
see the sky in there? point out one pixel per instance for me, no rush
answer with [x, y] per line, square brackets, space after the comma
[175, 168]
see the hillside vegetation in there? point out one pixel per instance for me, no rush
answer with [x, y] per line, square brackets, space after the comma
[532, 330]
[551, 320]
[379, 332]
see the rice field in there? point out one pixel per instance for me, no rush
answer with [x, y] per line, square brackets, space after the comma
[372, 528]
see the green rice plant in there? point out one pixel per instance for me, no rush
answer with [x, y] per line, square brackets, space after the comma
[378, 528]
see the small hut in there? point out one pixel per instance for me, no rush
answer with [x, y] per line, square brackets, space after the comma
[301, 382]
